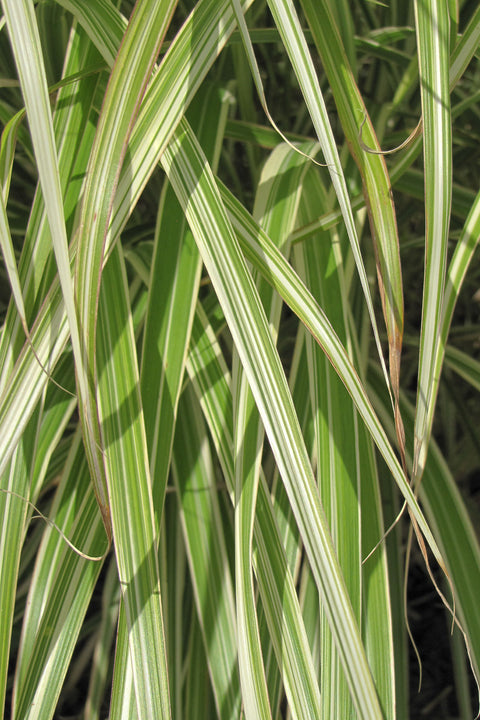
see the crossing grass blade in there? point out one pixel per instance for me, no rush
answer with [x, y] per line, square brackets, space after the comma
[186, 169]
[259, 249]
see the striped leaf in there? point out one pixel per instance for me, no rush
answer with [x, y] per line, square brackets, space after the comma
[432, 24]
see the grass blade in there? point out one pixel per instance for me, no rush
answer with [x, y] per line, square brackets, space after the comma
[129, 491]
[375, 180]
[432, 23]
[207, 553]
[126, 87]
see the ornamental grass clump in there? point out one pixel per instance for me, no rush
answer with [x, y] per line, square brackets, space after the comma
[238, 373]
